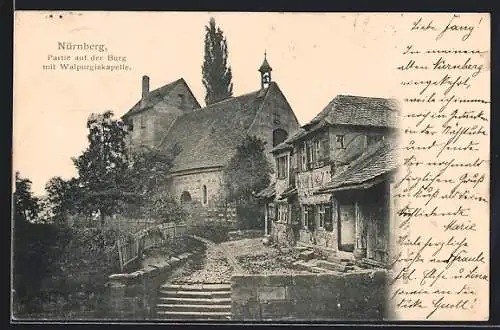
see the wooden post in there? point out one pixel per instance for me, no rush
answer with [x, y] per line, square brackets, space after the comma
[265, 219]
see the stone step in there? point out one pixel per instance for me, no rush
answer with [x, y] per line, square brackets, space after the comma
[340, 267]
[301, 248]
[195, 294]
[316, 269]
[194, 301]
[197, 287]
[193, 308]
[194, 315]
[340, 260]
[306, 255]
[303, 265]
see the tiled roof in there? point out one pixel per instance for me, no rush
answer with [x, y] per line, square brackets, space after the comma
[156, 96]
[285, 145]
[360, 110]
[208, 137]
[353, 110]
[267, 192]
[290, 191]
[378, 161]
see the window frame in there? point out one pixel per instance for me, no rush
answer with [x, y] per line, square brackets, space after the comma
[339, 139]
[142, 121]
[321, 216]
[305, 217]
[204, 195]
[282, 166]
[276, 117]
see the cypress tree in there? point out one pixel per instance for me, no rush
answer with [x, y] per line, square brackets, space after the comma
[217, 74]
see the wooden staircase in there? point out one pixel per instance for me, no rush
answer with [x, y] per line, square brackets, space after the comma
[194, 301]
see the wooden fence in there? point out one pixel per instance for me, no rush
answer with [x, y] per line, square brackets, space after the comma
[131, 250]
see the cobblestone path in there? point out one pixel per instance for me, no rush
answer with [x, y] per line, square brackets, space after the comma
[215, 266]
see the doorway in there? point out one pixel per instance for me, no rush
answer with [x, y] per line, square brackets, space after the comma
[346, 227]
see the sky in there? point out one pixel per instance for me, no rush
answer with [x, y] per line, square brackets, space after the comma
[314, 57]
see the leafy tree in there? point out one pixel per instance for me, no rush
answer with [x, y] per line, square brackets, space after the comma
[26, 206]
[148, 175]
[62, 196]
[217, 74]
[101, 184]
[247, 172]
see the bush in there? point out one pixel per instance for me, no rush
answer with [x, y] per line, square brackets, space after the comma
[61, 266]
[215, 231]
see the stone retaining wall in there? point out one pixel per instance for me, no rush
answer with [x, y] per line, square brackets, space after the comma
[324, 296]
[133, 296]
[242, 234]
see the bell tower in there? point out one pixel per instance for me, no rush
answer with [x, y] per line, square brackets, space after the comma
[265, 73]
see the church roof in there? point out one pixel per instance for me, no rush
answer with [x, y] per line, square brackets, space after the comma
[208, 137]
[156, 96]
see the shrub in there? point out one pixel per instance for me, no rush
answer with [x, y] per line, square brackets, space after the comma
[216, 231]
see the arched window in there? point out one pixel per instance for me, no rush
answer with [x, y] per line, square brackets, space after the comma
[185, 197]
[279, 135]
[204, 194]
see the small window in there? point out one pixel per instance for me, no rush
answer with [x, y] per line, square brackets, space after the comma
[305, 216]
[321, 216]
[204, 194]
[371, 139]
[317, 150]
[303, 153]
[340, 142]
[143, 121]
[328, 222]
[185, 197]
[276, 118]
[283, 213]
[282, 165]
[180, 98]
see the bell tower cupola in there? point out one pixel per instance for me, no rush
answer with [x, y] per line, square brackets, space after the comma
[265, 73]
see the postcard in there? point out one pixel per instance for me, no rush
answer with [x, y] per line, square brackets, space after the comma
[250, 166]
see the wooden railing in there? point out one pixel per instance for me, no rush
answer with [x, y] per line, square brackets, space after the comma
[132, 249]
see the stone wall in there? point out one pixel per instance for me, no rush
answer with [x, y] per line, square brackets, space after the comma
[133, 296]
[282, 234]
[242, 234]
[326, 296]
[193, 183]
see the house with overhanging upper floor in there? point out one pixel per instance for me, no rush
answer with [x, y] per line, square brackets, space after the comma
[334, 177]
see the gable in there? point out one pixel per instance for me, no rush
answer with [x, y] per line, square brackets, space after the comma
[163, 95]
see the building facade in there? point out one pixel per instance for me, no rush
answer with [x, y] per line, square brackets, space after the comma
[206, 137]
[332, 190]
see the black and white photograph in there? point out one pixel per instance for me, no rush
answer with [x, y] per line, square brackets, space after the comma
[205, 166]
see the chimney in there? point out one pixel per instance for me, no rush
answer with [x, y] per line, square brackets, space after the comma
[145, 88]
